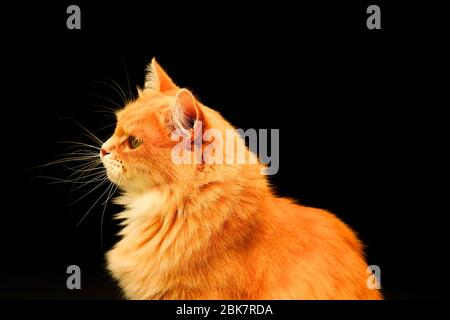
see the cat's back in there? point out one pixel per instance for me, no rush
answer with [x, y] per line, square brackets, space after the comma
[311, 225]
[315, 255]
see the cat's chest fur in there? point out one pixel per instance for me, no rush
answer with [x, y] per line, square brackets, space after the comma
[155, 245]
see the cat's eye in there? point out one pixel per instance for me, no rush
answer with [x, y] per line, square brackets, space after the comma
[134, 142]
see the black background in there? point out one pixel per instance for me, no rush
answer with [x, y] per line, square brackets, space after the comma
[361, 115]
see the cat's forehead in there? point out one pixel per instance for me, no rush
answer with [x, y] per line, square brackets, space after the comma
[144, 104]
[144, 110]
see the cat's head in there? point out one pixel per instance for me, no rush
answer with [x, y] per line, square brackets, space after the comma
[139, 155]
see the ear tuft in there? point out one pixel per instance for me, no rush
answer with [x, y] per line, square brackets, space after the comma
[139, 91]
[157, 79]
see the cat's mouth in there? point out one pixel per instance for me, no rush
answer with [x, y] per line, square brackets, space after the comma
[114, 168]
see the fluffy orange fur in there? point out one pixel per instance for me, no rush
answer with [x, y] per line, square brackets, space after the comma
[215, 231]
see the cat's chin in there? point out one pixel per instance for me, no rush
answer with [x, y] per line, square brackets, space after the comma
[113, 177]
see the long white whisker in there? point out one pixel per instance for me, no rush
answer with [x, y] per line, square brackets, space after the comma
[64, 161]
[86, 175]
[101, 176]
[79, 143]
[105, 179]
[108, 126]
[84, 128]
[110, 194]
[107, 99]
[122, 97]
[84, 216]
[92, 164]
[120, 88]
[126, 74]
[70, 159]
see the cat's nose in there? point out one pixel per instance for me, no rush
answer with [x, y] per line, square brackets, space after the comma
[103, 152]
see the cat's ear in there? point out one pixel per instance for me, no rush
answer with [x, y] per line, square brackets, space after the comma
[157, 79]
[186, 114]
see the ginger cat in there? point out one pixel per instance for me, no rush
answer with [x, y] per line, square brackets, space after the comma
[215, 231]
